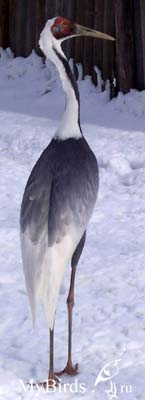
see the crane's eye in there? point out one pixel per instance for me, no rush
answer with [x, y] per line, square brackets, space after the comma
[56, 29]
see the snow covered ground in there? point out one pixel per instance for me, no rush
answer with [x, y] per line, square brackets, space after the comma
[109, 313]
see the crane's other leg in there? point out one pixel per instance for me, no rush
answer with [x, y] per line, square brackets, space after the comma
[70, 369]
[52, 378]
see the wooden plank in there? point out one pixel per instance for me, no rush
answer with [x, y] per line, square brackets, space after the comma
[40, 18]
[138, 45]
[57, 8]
[50, 9]
[12, 25]
[79, 42]
[99, 26]
[19, 27]
[142, 13]
[108, 48]
[4, 23]
[30, 42]
[124, 45]
[88, 21]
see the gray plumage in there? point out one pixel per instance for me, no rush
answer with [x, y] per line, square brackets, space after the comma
[61, 190]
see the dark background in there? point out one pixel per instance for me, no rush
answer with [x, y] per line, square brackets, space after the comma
[21, 22]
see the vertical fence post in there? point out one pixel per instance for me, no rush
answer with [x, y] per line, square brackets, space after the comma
[142, 6]
[4, 23]
[12, 25]
[108, 46]
[99, 26]
[88, 42]
[79, 42]
[40, 21]
[30, 43]
[139, 24]
[18, 24]
[124, 45]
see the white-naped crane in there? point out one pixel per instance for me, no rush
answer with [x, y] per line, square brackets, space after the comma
[59, 196]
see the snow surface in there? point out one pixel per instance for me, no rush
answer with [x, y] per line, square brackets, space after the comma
[109, 313]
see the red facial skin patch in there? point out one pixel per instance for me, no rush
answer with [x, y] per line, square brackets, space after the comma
[62, 27]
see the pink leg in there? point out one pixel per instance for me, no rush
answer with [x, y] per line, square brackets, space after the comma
[52, 378]
[70, 369]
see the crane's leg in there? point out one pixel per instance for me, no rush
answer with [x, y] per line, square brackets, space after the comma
[70, 369]
[52, 378]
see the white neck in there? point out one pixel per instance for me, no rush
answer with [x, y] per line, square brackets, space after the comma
[69, 126]
[51, 47]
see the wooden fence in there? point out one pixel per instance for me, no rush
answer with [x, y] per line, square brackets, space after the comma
[21, 22]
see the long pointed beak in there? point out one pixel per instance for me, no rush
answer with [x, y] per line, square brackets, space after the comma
[83, 31]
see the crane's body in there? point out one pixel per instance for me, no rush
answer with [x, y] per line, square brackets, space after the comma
[60, 194]
[57, 204]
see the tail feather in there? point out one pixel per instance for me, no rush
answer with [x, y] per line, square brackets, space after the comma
[44, 269]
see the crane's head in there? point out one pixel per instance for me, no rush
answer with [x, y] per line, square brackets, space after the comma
[59, 29]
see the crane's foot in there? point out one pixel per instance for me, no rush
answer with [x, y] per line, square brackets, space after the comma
[52, 382]
[69, 370]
